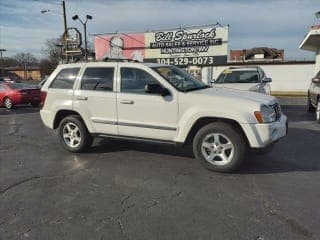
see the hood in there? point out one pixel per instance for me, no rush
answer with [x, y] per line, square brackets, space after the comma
[237, 95]
[241, 86]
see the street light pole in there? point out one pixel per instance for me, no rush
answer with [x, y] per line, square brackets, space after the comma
[88, 17]
[2, 50]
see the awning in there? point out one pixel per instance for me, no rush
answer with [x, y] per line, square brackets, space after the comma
[311, 42]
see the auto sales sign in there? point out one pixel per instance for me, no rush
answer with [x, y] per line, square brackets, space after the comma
[182, 47]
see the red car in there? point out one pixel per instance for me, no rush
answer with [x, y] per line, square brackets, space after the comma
[12, 94]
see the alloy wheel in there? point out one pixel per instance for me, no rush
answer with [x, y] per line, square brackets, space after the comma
[8, 103]
[217, 149]
[71, 135]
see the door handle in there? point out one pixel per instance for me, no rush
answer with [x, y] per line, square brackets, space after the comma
[83, 98]
[126, 101]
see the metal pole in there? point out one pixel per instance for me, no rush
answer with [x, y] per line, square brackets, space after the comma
[65, 27]
[85, 41]
[2, 50]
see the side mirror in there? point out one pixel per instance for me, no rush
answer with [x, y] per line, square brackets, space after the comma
[267, 80]
[211, 82]
[316, 80]
[156, 89]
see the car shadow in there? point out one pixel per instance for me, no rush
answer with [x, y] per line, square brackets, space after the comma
[110, 145]
[297, 152]
[21, 109]
[296, 113]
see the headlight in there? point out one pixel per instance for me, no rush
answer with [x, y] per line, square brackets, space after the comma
[266, 114]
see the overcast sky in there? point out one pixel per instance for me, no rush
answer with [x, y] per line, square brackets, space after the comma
[253, 23]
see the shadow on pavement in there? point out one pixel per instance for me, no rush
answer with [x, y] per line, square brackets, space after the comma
[297, 113]
[106, 146]
[23, 109]
[298, 152]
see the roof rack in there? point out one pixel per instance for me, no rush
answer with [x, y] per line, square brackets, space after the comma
[244, 66]
[118, 60]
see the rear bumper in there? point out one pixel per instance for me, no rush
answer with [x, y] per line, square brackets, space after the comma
[261, 135]
[46, 118]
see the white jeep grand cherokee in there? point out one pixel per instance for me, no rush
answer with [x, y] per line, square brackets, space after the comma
[162, 103]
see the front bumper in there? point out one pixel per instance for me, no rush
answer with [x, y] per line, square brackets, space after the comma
[261, 135]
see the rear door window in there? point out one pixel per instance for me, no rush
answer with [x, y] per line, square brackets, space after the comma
[98, 79]
[65, 78]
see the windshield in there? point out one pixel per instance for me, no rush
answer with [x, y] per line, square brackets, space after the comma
[229, 76]
[180, 79]
[19, 86]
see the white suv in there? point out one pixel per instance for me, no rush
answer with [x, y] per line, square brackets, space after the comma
[162, 103]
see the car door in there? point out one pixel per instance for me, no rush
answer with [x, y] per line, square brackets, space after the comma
[142, 114]
[95, 98]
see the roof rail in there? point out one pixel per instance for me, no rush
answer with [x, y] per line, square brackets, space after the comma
[118, 60]
[244, 66]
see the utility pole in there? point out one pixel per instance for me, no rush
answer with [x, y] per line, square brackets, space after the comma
[2, 50]
[65, 34]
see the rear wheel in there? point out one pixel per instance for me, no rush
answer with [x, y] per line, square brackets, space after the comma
[219, 146]
[8, 103]
[74, 135]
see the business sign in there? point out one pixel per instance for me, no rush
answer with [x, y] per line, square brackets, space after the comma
[182, 47]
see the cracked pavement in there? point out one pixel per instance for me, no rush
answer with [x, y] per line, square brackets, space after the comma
[127, 190]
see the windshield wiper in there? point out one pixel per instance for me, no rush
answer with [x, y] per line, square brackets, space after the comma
[197, 88]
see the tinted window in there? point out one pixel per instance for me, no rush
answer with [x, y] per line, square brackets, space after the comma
[229, 76]
[1, 88]
[65, 78]
[134, 80]
[18, 86]
[100, 79]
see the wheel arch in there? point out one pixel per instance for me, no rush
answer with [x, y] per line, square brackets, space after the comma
[203, 121]
[61, 114]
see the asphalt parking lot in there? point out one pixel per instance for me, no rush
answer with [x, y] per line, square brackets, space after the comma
[126, 190]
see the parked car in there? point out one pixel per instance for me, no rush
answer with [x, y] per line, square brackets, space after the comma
[244, 78]
[313, 104]
[159, 103]
[12, 94]
[6, 80]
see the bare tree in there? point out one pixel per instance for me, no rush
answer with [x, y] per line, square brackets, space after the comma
[52, 50]
[26, 59]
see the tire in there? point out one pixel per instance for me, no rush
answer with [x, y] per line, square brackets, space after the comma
[74, 135]
[35, 104]
[7, 102]
[310, 107]
[318, 111]
[222, 141]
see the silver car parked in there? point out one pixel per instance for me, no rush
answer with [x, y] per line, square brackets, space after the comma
[313, 104]
[244, 78]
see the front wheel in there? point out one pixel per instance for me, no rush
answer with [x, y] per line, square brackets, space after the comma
[8, 103]
[73, 134]
[219, 146]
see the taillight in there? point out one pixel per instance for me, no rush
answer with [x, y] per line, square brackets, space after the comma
[43, 96]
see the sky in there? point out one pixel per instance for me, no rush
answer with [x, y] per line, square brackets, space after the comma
[280, 24]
